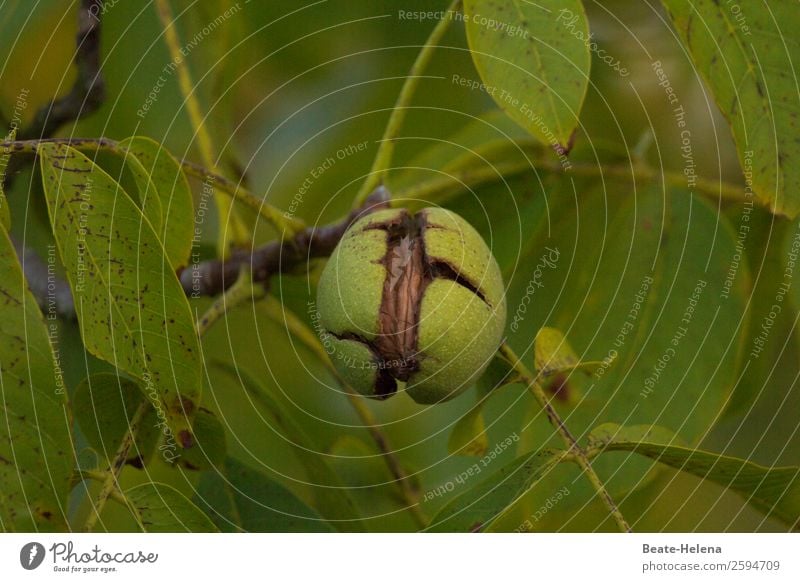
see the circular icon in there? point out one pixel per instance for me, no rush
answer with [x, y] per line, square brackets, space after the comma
[31, 555]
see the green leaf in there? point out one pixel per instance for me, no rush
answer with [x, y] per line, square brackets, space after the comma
[535, 58]
[775, 491]
[158, 507]
[469, 433]
[130, 306]
[486, 141]
[673, 338]
[104, 405]
[750, 69]
[210, 445]
[552, 354]
[165, 195]
[36, 451]
[244, 499]
[333, 501]
[477, 507]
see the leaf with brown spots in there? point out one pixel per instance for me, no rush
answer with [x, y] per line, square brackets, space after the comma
[130, 306]
[158, 507]
[749, 60]
[36, 453]
[164, 194]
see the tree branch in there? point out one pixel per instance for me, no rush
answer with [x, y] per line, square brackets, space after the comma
[213, 277]
[110, 483]
[84, 98]
[573, 446]
[88, 91]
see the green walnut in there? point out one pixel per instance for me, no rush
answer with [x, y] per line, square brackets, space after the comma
[411, 298]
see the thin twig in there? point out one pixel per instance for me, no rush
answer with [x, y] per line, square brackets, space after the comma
[465, 176]
[110, 484]
[238, 231]
[278, 219]
[383, 157]
[241, 291]
[302, 332]
[88, 91]
[100, 477]
[280, 256]
[572, 443]
[85, 97]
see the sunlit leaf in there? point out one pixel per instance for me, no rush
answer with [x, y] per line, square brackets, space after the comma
[131, 308]
[553, 354]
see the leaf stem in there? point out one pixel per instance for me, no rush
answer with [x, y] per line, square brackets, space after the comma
[573, 447]
[100, 477]
[241, 291]
[383, 157]
[463, 176]
[110, 482]
[302, 332]
[238, 230]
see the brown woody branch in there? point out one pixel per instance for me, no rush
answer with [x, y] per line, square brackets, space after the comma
[88, 91]
[85, 97]
[215, 276]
